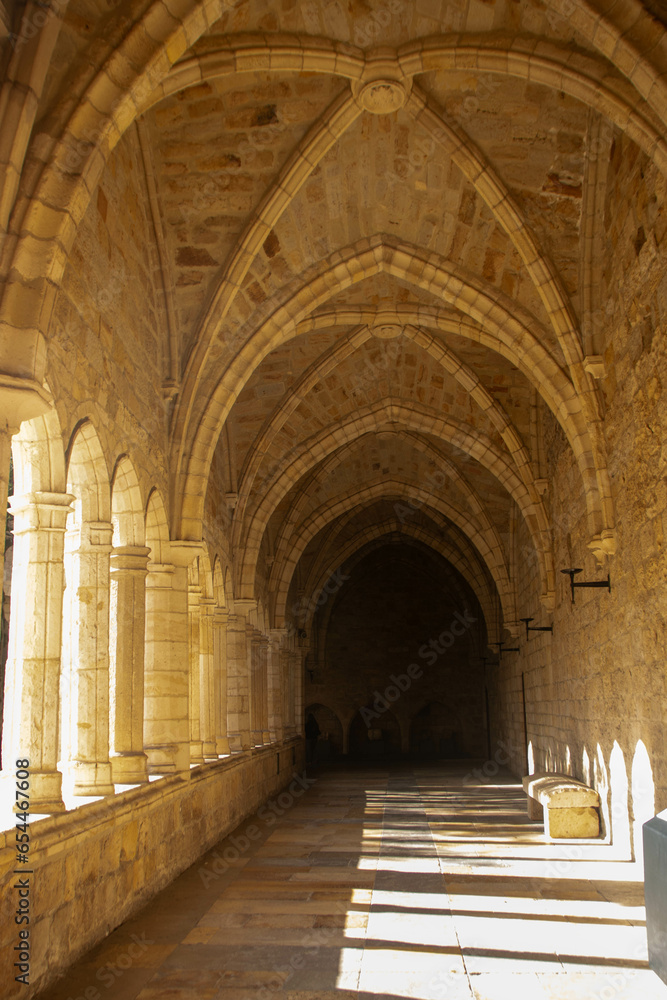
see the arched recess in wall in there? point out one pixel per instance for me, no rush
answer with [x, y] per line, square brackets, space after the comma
[382, 738]
[330, 741]
[472, 571]
[40, 506]
[479, 548]
[129, 560]
[435, 732]
[85, 675]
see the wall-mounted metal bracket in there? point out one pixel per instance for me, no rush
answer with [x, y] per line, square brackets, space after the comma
[585, 583]
[535, 628]
[504, 649]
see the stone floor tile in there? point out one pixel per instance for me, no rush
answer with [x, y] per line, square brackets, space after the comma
[396, 885]
[509, 986]
[606, 984]
[440, 985]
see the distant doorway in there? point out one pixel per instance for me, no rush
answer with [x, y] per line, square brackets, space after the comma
[382, 739]
[327, 740]
[432, 735]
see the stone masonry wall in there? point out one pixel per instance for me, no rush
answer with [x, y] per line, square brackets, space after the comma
[597, 690]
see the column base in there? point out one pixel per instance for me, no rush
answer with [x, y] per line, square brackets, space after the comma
[168, 758]
[91, 779]
[129, 768]
[208, 750]
[222, 746]
[266, 737]
[196, 752]
[46, 794]
[239, 742]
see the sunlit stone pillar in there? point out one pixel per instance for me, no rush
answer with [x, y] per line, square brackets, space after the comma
[87, 550]
[194, 652]
[6, 434]
[32, 678]
[238, 689]
[221, 730]
[166, 719]
[275, 659]
[127, 620]
[207, 693]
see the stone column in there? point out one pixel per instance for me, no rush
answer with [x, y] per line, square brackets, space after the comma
[127, 621]
[275, 659]
[6, 434]
[294, 661]
[207, 695]
[87, 550]
[21, 399]
[255, 666]
[32, 679]
[220, 681]
[285, 667]
[166, 723]
[238, 686]
[298, 704]
[194, 651]
[264, 679]
[248, 608]
[159, 685]
[166, 720]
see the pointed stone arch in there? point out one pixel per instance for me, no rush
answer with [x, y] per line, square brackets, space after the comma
[472, 571]
[473, 298]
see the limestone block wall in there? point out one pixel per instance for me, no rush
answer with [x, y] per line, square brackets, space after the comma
[109, 342]
[96, 865]
[597, 690]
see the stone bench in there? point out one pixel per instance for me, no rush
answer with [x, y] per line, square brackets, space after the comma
[569, 808]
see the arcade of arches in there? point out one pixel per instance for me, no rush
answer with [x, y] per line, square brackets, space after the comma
[331, 334]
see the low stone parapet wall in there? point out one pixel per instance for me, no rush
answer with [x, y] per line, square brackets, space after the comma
[90, 868]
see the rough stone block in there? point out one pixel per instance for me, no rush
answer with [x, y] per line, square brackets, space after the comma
[575, 822]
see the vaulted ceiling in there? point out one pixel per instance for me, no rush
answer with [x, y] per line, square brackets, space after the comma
[380, 233]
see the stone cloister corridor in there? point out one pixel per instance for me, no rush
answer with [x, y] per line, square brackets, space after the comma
[333, 354]
[409, 882]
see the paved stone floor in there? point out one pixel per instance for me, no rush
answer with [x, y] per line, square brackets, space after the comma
[409, 882]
